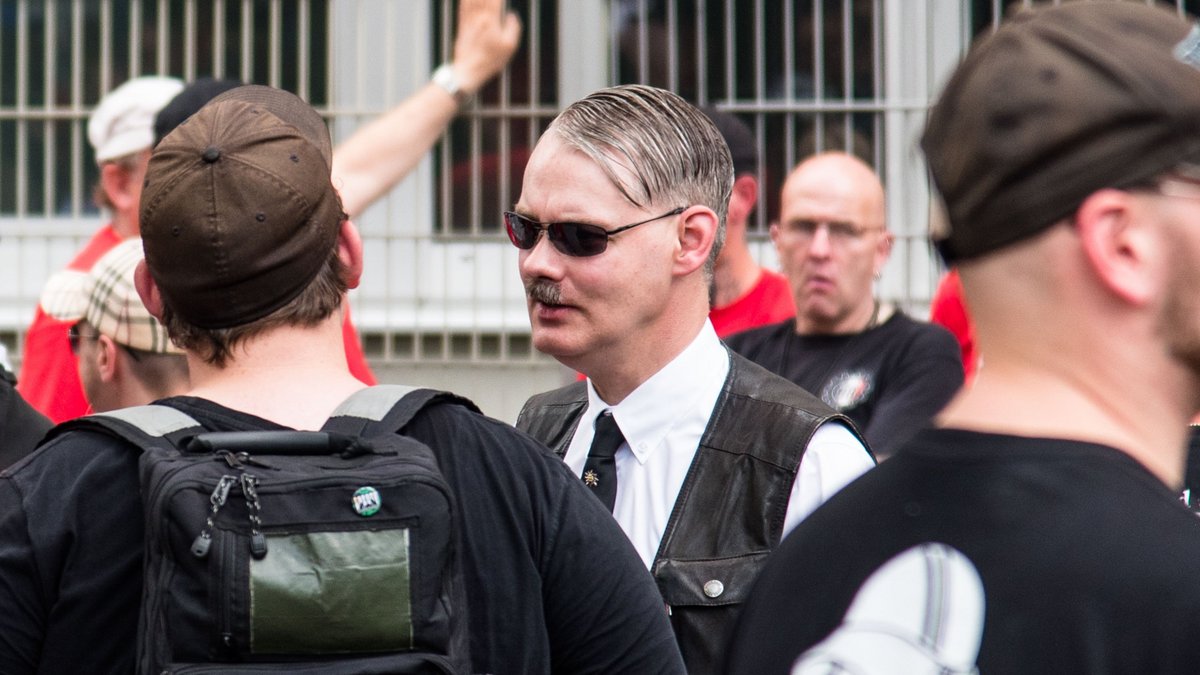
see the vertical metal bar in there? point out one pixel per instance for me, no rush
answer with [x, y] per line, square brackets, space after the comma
[535, 92]
[701, 29]
[218, 39]
[848, 74]
[476, 154]
[106, 47]
[789, 52]
[22, 99]
[505, 124]
[818, 42]
[247, 35]
[643, 42]
[49, 127]
[274, 59]
[789, 118]
[877, 78]
[189, 40]
[504, 129]
[760, 62]
[535, 55]
[672, 47]
[446, 214]
[77, 31]
[730, 87]
[614, 46]
[304, 48]
[330, 52]
[135, 39]
[360, 61]
[162, 48]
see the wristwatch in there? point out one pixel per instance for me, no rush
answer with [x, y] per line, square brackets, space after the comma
[447, 78]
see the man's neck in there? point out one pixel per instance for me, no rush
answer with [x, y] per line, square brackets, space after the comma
[1086, 393]
[292, 376]
[125, 225]
[864, 317]
[615, 377]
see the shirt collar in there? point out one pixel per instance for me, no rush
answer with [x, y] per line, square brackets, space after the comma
[652, 410]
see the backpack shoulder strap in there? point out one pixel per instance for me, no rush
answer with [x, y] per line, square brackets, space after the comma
[146, 426]
[387, 408]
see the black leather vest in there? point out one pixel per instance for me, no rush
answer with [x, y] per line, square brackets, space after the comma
[730, 510]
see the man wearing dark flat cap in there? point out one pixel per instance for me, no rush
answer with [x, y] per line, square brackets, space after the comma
[249, 256]
[1038, 528]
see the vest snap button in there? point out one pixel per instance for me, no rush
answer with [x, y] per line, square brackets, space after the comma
[714, 588]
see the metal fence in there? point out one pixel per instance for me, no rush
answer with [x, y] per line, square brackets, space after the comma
[441, 284]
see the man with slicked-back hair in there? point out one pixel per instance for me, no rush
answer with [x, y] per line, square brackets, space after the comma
[704, 458]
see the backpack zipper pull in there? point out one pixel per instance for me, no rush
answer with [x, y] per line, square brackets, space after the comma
[217, 499]
[258, 542]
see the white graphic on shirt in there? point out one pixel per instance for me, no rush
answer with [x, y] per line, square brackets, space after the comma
[920, 613]
[848, 389]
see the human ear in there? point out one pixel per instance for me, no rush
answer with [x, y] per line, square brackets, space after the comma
[106, 358]
[350, 251]
[697, 232]
[147, 290]
[1117, 244]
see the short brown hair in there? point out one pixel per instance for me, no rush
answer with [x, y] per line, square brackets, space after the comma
[314, 304]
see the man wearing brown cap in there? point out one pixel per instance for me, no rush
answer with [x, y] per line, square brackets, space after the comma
[1039, 529]
[366, 166]
[248, 259]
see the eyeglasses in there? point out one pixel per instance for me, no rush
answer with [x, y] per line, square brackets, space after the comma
[580, 240]
[74, 335]
[803, 231]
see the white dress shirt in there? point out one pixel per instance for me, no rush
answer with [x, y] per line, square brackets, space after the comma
[663, 420]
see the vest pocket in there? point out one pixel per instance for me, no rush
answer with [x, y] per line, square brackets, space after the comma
[710, 582]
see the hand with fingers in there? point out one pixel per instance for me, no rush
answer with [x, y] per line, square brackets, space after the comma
[486, 38]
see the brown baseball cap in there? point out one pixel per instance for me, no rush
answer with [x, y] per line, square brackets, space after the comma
[238, 212]
[1060, 102]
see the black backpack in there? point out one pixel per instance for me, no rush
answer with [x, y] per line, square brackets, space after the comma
[328, 551]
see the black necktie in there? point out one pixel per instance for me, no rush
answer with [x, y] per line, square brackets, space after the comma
[600, 471]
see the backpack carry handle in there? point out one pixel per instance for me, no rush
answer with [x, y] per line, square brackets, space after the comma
[278, 442]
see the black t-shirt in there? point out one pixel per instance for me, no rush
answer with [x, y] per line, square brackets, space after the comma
[1191, 475]
[21, 427]
[1020, 555]
[890, 379]
[552, 581]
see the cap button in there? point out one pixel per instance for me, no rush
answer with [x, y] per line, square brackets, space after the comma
[714, 588]
[211, 154]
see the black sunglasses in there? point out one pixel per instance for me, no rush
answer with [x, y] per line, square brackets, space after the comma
[574, 239]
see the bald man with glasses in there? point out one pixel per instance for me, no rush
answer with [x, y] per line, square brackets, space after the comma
[865, 358]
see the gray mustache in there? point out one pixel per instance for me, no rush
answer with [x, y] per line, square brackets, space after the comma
[544, 291]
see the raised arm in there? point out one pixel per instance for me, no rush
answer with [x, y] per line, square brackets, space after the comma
[379, 154]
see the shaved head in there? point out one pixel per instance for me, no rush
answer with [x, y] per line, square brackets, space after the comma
[832, 242]
[844, 177]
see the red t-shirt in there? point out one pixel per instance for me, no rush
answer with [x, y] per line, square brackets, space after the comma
[948, 310]
[769, 301]
[50, 375]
